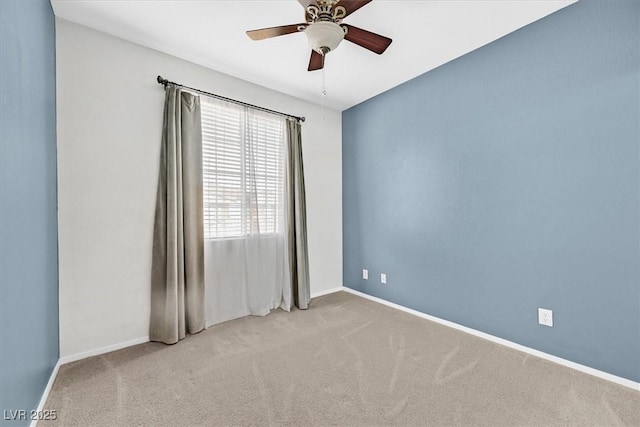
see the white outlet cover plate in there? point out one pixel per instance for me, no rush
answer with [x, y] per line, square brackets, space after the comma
[383, 279]
[365, 274]
[545, 317]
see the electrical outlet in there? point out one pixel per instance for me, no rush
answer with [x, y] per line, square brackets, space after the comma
[383, 279]
[365, 274]
[545, 317]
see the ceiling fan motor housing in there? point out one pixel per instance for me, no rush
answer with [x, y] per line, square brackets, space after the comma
[324, 36]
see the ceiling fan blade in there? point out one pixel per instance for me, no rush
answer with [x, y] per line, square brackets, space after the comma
[352, 5]
[266, 33]
[316, 62]
[368, 40]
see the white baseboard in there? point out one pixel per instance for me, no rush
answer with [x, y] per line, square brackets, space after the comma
[96, 352]
[326, 292]
[47, 390]
[564, 362]
[102, 350]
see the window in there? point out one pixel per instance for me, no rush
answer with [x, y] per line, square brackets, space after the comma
[243, 170]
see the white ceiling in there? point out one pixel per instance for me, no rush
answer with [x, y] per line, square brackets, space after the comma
[426, 34]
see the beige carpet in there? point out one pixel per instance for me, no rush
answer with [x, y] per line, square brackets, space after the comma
[345, 361]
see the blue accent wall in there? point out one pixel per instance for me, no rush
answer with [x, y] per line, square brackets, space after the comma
[507, 180]
[28, 205]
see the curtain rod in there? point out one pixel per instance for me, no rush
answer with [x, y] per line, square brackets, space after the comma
[165, 82]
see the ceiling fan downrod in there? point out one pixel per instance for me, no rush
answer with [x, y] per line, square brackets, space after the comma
[325, 11]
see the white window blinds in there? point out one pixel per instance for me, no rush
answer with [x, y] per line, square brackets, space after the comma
[243, 170]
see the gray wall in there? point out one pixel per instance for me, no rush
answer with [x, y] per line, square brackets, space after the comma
[28, 218]
[508, 180]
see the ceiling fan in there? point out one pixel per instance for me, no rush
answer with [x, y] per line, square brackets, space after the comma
[325, 31]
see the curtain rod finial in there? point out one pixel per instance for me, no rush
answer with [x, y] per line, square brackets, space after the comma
[162, 81]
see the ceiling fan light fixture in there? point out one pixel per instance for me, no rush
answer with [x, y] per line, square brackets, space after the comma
[324, 36]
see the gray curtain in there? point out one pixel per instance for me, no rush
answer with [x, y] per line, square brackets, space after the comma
[177, 277]
[297, 218]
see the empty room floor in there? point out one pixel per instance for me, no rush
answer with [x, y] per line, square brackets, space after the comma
[345, 361]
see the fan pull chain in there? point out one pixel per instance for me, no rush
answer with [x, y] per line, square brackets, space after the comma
[324, 91]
